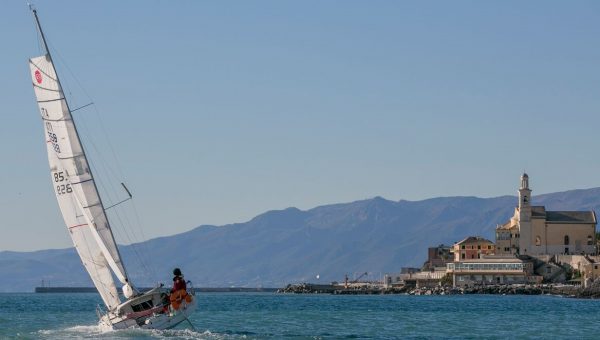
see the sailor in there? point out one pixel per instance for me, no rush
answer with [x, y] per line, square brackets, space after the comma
[178, 281]
[178, 292]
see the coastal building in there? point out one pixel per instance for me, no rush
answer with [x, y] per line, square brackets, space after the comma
[491, 271]
[533, 230]
[472, 247]
[438, 257]
[424, 279]
[409, 270]
[583, 269]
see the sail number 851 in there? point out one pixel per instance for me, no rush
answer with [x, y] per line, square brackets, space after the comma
[61, 189]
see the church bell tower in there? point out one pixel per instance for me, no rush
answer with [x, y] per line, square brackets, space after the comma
[524, 237]
[524, 199]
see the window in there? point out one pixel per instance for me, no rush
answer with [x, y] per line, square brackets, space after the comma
[566, 240]
[463, 256]
[472, 256]
[142, 306]
[490, 247]
[538, 241]
[462, 247]
[479, 246]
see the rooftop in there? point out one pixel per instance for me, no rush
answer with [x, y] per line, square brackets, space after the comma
[563, 216]
[493, 260]
[472, 239]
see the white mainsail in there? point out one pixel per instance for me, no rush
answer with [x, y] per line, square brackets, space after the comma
[74, 185]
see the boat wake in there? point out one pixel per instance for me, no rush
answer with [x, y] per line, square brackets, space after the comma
[94, 332]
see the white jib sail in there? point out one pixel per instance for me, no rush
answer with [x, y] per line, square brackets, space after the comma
[74, 185]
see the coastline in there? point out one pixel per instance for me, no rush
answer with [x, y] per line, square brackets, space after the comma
[145, 289]
[519, 289]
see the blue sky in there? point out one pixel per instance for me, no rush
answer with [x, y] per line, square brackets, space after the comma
[218, 111]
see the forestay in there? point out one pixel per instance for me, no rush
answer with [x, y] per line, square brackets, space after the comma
[74, 185]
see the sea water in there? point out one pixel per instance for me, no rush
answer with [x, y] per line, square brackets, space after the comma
[283, 316]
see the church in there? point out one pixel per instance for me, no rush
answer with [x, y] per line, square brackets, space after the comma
[533, 230]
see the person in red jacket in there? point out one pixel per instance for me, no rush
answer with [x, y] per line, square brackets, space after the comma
[178, 281]
[178, 292]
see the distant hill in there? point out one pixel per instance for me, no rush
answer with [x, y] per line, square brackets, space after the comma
[290, 245]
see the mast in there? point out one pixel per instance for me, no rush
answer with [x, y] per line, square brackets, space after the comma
[39, 27]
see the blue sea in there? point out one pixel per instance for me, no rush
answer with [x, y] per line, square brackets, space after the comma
[277, 316]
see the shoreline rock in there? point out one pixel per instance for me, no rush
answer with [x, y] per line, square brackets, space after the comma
[558, 290]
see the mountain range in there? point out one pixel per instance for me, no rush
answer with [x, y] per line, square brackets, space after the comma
[278, 247]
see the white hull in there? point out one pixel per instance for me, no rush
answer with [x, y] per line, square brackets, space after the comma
[152, 318]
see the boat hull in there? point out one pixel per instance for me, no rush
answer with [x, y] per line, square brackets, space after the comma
[159, 317]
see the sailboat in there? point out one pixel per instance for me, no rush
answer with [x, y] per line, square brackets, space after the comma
[85, 215]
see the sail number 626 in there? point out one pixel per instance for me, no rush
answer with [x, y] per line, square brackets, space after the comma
[63, 189]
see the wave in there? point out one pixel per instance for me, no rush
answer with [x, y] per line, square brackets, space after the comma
[94, 332]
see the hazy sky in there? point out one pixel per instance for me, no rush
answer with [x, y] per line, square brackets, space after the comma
[218, 111]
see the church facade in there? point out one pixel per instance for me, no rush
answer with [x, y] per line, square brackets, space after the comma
[533, 230]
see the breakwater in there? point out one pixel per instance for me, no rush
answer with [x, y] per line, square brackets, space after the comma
[309, 288]
[562, 290]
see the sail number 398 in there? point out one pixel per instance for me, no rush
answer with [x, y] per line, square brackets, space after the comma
[54, 141]
[61, 189]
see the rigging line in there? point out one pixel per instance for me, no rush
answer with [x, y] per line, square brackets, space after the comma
[37, 33]
[104, 130]
[123, 230]
[144, 244]
[99, 179]
[100, 122]
[105, 169]
[117, 162]
[89, 140]
[93, 219]
[116, 204]
[97, 154]
[81, 107]
[133, 247]
[52, 66]
[126, 224]
[139, 258]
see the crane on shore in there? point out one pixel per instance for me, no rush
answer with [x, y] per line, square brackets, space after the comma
[346, 282]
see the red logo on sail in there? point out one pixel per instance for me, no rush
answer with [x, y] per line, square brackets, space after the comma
[38, 76]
